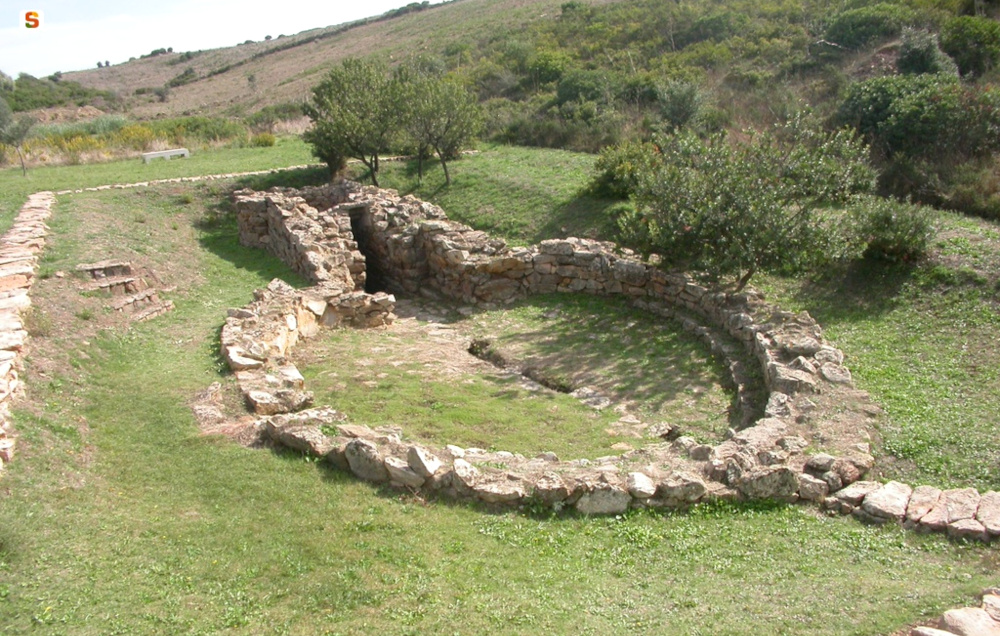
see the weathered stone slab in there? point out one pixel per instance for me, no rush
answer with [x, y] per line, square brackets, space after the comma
[988, 513]
[640, 485]
[551, 489]
[681, 488]
[401, 473]
[922, 501]
[812, 488]
[605, 499]
[889, 501]
[970, 621]
[929, 631]
[505, 491]
[991, 605]
[856, 492]
[464, 476]
[366, 461]
[422, 461]
[769, 482]
[967, 529]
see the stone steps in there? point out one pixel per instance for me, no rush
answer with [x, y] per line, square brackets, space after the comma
[131, 291]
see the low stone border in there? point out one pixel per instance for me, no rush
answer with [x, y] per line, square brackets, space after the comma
[19, 251]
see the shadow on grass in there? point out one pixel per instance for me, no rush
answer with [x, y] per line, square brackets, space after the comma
[583, 217]
[856, 291]
[315, 176]
[220, 236]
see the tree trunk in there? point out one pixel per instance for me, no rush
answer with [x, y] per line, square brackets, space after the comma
[420, 165]
[447, 177]
[20, 155]
[745, 279]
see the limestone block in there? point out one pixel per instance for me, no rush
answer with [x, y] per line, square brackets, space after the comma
[970, 621]
[835, 373]
[991, 605]
[464, 476]
[605, 499]
[812, 488]
[681, 488]
[551, 489]
[366, 461]
[422, 462]
[769, 482]
[500, 491]
[856, 492]
[929, 631]
[922, 501]
[967, 529]
[640, 486]
[889, 501]
[401, 473]
[988, 513]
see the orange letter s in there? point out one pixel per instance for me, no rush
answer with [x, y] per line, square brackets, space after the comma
[31, 19]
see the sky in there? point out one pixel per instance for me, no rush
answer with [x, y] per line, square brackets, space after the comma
[76, 34]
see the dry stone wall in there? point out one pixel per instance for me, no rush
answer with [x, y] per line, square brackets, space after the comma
[418, 250]
[20, 248]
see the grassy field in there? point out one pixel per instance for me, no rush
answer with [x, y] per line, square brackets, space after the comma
[522, 194]
[120, 517]
[14, 188]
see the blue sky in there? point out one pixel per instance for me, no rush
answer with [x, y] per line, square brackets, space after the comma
[76, 34]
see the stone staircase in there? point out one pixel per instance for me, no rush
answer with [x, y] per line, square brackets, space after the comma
[130, 292]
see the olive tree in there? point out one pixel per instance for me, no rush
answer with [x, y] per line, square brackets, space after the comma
[740, 207]
[356, 112]
[442, 116]
[13, 131]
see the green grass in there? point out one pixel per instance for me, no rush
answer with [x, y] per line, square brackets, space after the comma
[664, 373]
[924, 342]
[15, 188]
[119, 517]
[363, 374]
[522, 194]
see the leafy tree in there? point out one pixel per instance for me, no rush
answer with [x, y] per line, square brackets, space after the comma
[13, 131]
[356, 112]
[973, 42]
[443, 117]
[857, 28]
[737, 208]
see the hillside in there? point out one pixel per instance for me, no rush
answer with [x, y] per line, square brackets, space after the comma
[285, 68]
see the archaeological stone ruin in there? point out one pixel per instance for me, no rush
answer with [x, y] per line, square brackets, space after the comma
[359, 245]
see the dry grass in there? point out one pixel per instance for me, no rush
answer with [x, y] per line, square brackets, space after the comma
[288, 75]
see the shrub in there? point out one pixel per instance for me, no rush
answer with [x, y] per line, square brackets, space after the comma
[856, 28]
[262, 140]
[620, 169]
[920, 54]
[891, 230]
[680, 104]
[736, 208]
[973, 42]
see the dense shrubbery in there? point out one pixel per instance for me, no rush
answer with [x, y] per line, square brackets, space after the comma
[889, 229]
[30, 93]
[738, 207]
[856, 28]
[973, 42]
[920, 54]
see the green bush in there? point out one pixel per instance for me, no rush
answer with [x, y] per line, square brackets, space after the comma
[262, 140]
[919, 54]
[857, 28]
[186, 77]
[680, 104]
[737, 208]
[204, 129]
[891, 230]
[973, 42]
[620, 169]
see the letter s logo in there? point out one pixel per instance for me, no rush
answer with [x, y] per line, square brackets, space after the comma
[32, 20]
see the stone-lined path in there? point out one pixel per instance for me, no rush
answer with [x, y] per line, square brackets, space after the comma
[20, 249]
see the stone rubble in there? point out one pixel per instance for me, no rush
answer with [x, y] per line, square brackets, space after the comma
[20, 248]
